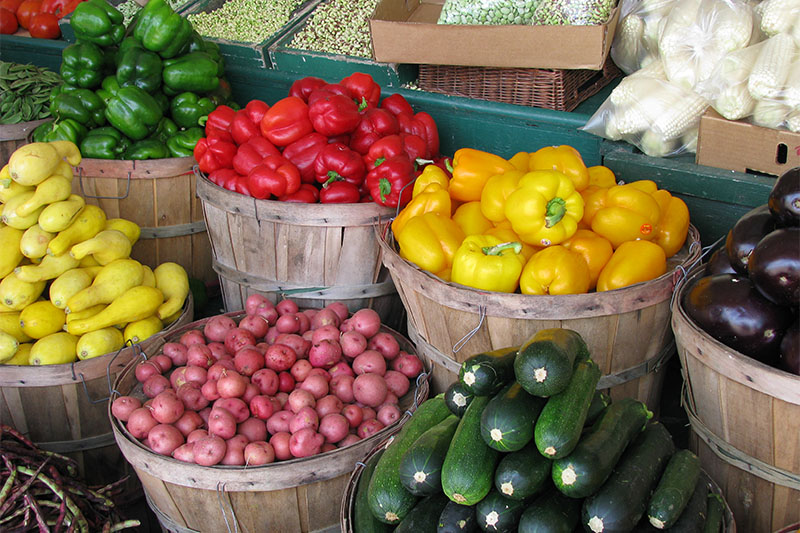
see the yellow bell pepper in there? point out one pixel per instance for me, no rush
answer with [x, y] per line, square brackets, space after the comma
[506, 234]
[430, 241]
[495, 193]
[594, 249]
[594, 199]
[486, 263]
[563, 158]
[521, 160]
[628, 213]
[430, 174]
[673, 226]
[555, 270]
[432, 199]
[601, 176]
[632, 262]
[471, 170]
[469, 217]
[545, 208]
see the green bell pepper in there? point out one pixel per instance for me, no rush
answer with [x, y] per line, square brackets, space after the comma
[133, 112]
[82, 65]
[195, 71]
[104, 143]
[162, 30]
[82, 105]
[188, 108]
[108, 89]
[147, 149]
[62, 130]
[163, 101]
[98, 22]
[166, 128]
[139, 67]
[182, 143]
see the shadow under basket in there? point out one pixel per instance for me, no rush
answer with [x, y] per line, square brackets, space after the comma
[558, 89]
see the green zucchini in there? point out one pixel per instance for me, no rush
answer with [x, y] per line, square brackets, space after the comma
[693, 517]
[552, 512]
[387, 498]
[522, 474]
[457, 518]
[468, 469]
[457, 398]
[715, 513]
[421, 466]
[424, 517]
[600, 401]
[562, 419]
[545, 362]
[508, 419]
[674, 489]
[486, 373]
[583, 471]
[497, 513]
[622, 500]
[363, 519]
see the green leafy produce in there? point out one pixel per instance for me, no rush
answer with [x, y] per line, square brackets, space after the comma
[25, 92]
[487, 11]
[249, 21]
[338, 27]
[572, 12]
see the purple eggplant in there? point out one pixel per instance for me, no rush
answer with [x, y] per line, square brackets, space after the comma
[719, 263]
[745, 234]
[790, 349]
[774, 266]
[729, 308]
[784, 198]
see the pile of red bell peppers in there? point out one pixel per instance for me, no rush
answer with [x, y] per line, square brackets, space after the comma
[325, 142]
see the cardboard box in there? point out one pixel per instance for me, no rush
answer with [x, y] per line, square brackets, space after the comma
[405, 31]
[743, 147]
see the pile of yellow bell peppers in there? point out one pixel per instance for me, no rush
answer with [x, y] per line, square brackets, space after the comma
[540, 222]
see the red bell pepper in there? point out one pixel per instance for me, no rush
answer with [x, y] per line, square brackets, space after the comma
[305, 86]
[222, 176]
[392, 145]
[327, 90]
[338, 191]
[375, 123]
[423, 125]
[363, 89]
[390, 182]
[344, 138]
[338, 161]
[286, 121]
[397, 104]
[218, 123]
[241, 185]
[334, 114]
[306, 194]
[213, 153]
[252, 153]
[246, 122]
[303, 152]
[59, 8]
[275, 176]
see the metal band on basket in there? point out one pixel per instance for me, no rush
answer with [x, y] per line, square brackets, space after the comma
[79, 445]
[176, 230]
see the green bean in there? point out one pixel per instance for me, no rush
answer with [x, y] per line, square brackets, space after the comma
[24, 89]
[338, 27]
[250, 21]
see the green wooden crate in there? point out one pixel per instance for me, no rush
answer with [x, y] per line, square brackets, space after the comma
[39, 52]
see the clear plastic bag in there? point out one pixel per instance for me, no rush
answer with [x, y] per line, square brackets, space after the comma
[573, 12]
[636, 39]
[487, 11]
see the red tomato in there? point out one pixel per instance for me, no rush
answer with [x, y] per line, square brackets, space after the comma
[11, 5]
[44, 26]
[27, 10]
[8, 21]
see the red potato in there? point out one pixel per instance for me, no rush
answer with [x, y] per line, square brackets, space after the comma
[306, 417]
[163, 361]
[279, 357]
[327, 447]
[353, 414]
[258, 453]
[370, 389]
[305, 443]
[286, 382]
[271, 335]
[197, 434]
[369, 361]
[154, 385]
[300, 398]
[329, 404]
[221, 423]
[250, 392]
[217, 327]
[195, 374]
[368, 413]
[279, 422]
[351, 438]
[266, 380]
[308, 335]
[237, 338]
[407, 364]
[209, 451]
[341, 310]
[209, 390]
[342, 387]
[327, 332]
[280, 445]
[192, 396]
[218, 351]
[310, 312]
[385, 343]
[255, 325]
[235, 406]
[325, 317]
[204, 414]
[353, 343]
[262, 407]
[369, 428]
[175, 351]
[218, 368]
[177, 377]
[167, 407]
[287, 306]
[164, 439]
[248, 360]
[289, 323]
[300, 369]
[397, 383]
[262, 347]
[140, 422]
[193, 336]
[366, 321]
[268, 313]
[334, 427]
[388, 414]
[304, 323]
[234, 451]
[391, 398]
[184, 452]
[123, 406]
[200, 355]
[324, 354]
[254, 301]
[188, 422]
[231, 384]
[281, 398]
[320, 372]
[315, 384]
[346, 326]
[254, 429]
[145, 370]
[341, 368]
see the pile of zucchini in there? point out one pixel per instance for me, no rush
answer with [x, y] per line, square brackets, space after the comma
[524, 442]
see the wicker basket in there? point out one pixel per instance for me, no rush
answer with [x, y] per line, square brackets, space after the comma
[561, 90]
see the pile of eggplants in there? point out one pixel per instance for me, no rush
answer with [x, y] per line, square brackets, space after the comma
[749, 296]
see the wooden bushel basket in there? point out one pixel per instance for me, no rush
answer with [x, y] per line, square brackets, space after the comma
[627, 330]
[745, 419]
[12, 136]
[298, 495]
[314, 253]
[62, 408]
[158, 195]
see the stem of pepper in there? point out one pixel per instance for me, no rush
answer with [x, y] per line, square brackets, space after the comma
[556, 209]
[332, 176]
[498, 249]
